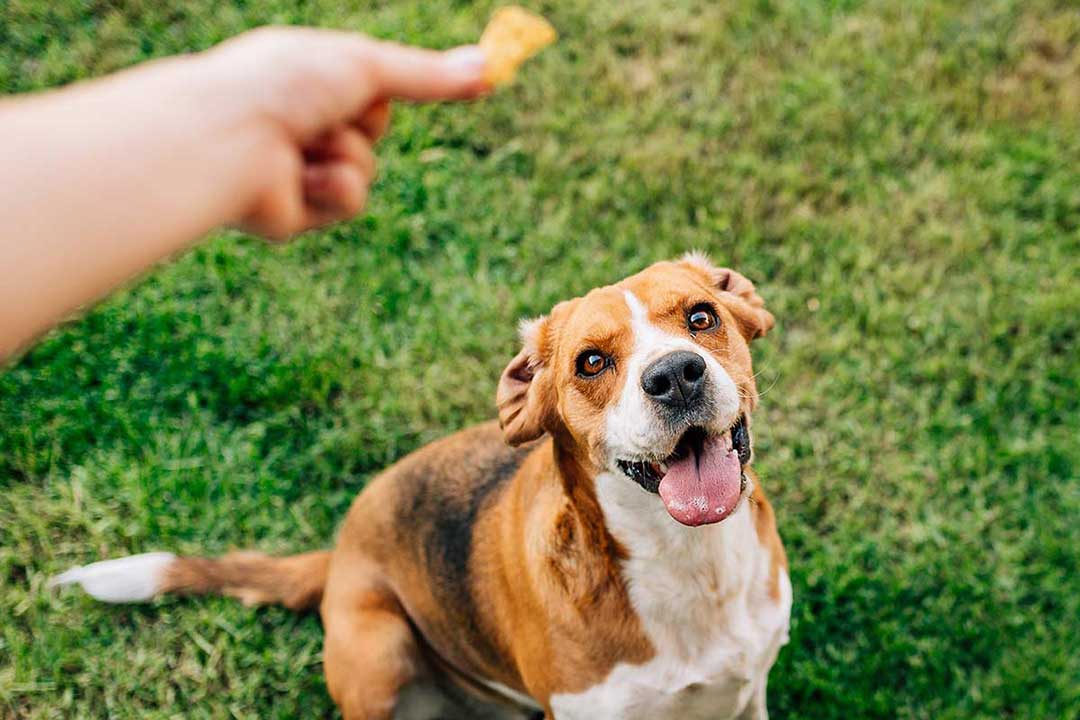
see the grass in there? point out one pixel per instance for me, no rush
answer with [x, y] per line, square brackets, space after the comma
[902, 180]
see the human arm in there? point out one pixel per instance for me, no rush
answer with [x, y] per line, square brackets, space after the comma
[271, 131]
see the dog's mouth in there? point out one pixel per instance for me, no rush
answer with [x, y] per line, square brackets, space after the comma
[702, 480]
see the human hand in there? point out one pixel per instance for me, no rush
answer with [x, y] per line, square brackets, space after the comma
[271, 131]
[315, 102]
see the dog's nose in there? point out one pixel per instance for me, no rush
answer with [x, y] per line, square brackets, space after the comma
[676, 380]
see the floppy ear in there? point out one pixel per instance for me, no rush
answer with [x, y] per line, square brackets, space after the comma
[522, 396]
[750, 312]
[746, 305]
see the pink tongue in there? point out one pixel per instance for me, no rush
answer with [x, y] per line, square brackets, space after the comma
[703, 488]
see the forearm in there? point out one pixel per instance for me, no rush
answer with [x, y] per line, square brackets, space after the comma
[99, 182]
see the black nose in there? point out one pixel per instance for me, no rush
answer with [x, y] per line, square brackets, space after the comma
[676, 380]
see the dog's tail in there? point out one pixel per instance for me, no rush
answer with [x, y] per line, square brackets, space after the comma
[296, 581]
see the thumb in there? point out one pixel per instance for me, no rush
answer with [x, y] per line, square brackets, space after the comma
[411, 73]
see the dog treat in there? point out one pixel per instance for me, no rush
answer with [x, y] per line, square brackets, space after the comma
[512, 36]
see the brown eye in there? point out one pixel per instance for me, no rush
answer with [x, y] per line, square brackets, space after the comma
[591, 363]
[700, 318]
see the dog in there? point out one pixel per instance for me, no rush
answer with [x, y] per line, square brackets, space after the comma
[603, 550]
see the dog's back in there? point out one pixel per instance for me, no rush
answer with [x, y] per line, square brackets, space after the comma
[418, 520]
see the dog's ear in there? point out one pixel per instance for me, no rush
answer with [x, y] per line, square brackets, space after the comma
[522, 396]
[742, 299]
[749, 310]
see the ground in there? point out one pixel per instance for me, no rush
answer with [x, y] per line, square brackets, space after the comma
[902, 180]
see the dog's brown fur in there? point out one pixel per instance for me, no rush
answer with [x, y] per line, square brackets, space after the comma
[473, 559]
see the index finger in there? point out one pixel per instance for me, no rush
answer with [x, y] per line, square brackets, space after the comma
[411, 73]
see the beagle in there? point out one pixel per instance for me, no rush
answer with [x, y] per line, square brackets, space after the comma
[602, 551]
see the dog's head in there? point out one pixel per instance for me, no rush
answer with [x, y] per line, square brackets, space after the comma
[651, 378]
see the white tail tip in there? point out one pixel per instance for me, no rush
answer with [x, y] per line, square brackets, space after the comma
[130, 579]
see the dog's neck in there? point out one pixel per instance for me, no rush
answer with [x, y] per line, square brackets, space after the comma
[638, 519]
[686, 568]
[676, 577]
[629, 512]
[577, 479]
[679, 577]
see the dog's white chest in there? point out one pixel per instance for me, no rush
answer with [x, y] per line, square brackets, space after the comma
[721, 682]
[702, 596]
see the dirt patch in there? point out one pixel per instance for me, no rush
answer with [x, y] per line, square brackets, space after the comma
[1044, 80]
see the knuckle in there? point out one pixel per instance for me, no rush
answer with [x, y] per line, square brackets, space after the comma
[354, 197]
[355, 202]
[367, 162]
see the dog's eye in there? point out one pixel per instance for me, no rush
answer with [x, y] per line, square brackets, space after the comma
[700, 318]
[591, 363]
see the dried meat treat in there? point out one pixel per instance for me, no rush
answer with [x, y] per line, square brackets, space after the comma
[512, 36]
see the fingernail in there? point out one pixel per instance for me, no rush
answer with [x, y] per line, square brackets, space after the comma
[467, 59]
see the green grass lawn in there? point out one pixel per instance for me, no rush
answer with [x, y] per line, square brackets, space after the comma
[901, 179]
